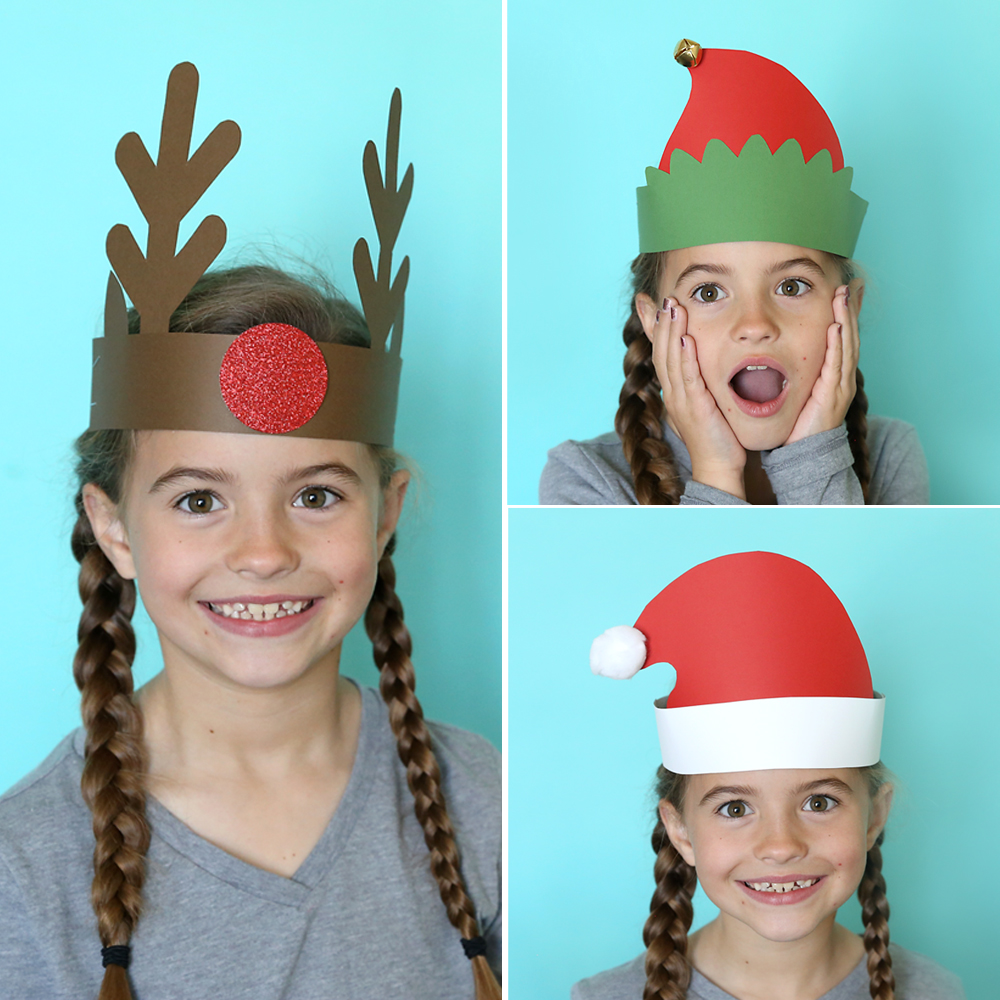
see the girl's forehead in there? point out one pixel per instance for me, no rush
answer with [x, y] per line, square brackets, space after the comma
[244, 455]
[781, 781]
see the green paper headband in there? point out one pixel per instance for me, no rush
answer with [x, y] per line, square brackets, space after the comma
[757, 195]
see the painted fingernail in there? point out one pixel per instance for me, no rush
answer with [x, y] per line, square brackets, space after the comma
[673, 313]
[683, 341]
[847, 295]
[840, 329]
[666, 304]
[658, 314]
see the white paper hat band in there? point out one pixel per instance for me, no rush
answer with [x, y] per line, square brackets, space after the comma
[771, 733]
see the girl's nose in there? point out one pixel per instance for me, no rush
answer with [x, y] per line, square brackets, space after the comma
[780, 841]
[754, 322]
[262, 547]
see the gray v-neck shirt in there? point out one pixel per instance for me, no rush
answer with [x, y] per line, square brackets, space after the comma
[917, 978]
[360, 918]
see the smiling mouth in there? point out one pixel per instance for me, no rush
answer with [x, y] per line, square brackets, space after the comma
[758, 383]
[802, 883]
[260, 612]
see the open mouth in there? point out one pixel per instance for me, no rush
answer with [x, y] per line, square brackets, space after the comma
[781, 887]
[260, 612]
[758, 383]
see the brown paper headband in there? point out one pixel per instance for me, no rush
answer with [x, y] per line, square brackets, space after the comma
[271, 378]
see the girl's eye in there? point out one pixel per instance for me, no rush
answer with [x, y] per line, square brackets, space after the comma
[199, 502]
[708, 292]
[793, 287]
[819, 803]
[734, 810]
[316, 498]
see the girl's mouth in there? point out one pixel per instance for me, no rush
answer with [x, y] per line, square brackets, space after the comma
[260, 612]
[759, 387]
[782, 893]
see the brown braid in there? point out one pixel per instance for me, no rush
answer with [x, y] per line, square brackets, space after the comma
[875, 916]
[391, 648]
[857, 434]
[641, 414]
[668, 972]
[114, 762]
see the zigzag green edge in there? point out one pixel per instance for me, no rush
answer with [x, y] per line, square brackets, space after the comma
[754, 196]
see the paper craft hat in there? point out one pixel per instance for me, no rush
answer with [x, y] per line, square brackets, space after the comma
[753, 157]
[770, 671]
[273, 378]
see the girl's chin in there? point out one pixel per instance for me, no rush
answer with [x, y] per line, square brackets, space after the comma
[762, 438]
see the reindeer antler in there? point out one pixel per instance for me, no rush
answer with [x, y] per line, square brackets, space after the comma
[165, 192]
[382, 299]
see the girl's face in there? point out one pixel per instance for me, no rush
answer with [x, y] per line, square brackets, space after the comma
[778, 851]
[290, 530]
[753, 305]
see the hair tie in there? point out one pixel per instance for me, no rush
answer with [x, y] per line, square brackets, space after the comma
[474, 947]
[117, 954]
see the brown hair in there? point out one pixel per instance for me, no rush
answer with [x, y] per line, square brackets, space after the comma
[641, 413]
[228, 301]
[668, 971]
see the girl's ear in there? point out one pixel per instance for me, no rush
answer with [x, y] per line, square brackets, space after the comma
[109, 530]
[646, 310]
[857, 287]
[676, 831]
[392, 507]
[881, 805]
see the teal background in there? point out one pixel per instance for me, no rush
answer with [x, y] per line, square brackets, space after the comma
[911, 88]
[921, 588]
[309, 83]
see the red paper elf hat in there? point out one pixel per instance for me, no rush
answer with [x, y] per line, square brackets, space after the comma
[753, 157]
[770, 671]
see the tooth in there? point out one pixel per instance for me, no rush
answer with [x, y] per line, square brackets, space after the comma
[281, 614]
[297, 606]
[227, 609]
[270, 609]
[784, 383]
[245, 615]
[239, 607]
[287, 605]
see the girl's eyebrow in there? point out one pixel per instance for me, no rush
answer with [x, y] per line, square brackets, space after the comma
[336, 469]
[708, 268]
[738, 791]
[799, 263]
[835, 783]
[180, 472]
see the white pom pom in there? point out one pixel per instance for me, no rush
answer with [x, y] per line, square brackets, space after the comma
[619, 653]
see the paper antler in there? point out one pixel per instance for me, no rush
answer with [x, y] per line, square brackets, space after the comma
[382, 298]
[165, 192]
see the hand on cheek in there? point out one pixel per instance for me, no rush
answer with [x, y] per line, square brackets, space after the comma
[717, 457]
[836, 384]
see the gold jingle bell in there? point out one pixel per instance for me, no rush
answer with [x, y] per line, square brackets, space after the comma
[688, 53]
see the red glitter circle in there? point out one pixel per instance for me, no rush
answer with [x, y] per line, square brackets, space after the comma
[273, 378]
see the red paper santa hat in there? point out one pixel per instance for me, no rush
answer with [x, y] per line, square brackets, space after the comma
[770, 670]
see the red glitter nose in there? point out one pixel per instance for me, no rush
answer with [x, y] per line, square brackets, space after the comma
[273, 378]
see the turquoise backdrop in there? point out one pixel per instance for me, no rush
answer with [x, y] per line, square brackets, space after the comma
[922, 590]
[309, 83]
[911, 87]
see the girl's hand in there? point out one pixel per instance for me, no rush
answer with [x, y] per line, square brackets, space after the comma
[717, 457]
[836, 385]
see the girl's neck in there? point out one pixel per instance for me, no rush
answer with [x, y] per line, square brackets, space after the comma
[755, 481]
[195, 725]
[738, 960]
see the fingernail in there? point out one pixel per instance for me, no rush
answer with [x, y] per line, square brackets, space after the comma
[666, 304]
[840, 329]
[658, 313]
[847, 295]
[683, 340]
[673, 313]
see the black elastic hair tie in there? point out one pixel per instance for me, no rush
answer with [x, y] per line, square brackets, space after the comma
[117, 954]
[473, 947]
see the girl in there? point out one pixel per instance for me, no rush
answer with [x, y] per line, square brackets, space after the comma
[771, 795]
[263, 827]
[741, 377]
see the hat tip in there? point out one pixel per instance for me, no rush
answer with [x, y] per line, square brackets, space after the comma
[618, 653]
[687, 53]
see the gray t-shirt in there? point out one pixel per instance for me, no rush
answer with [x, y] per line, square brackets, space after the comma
[816, 470]
[917, 978]
[360, 918]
